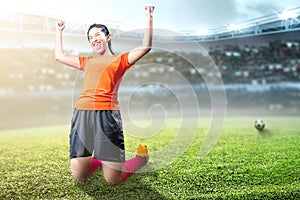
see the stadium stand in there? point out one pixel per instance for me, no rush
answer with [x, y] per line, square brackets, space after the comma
[35, 89]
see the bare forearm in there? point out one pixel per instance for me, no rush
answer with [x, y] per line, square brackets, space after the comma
[147, 41]
[59, 52]
[139, 52]
[60, 56]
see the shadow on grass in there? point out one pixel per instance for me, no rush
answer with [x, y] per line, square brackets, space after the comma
[135, 187]
[266, 133]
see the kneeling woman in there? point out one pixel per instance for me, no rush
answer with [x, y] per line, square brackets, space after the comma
[96, 122]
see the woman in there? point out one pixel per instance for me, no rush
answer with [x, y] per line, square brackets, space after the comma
[96, 122]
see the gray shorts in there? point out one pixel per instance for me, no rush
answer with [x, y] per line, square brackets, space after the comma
[99, 132]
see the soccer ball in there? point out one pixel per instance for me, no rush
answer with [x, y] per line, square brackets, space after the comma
[259, 124]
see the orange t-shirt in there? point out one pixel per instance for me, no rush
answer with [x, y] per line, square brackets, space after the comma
[102, 77]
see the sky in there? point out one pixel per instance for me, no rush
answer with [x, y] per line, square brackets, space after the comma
[169, 14]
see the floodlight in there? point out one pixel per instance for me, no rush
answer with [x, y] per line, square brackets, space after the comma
[202, 32]
[287, 15]
[233, 27]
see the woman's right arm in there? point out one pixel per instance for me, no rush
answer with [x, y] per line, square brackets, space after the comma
[71, 61]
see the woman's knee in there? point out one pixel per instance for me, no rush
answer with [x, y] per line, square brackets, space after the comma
[112, 172]
[77, 176]
[80, 168]
[112, 180]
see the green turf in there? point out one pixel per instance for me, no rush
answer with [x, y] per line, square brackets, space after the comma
[244, 164]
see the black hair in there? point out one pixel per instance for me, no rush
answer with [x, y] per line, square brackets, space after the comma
[103, 29]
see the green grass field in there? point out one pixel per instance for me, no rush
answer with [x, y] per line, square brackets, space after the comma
[244, 164]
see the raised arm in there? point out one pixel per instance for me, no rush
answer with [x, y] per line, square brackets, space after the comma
[60, 56]
[139, 52]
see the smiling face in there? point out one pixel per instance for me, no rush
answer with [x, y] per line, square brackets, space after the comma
[99, 41]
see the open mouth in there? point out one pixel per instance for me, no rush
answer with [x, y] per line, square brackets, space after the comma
[97, 46]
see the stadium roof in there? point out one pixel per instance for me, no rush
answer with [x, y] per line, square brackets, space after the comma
[286, 21]
[169, 14]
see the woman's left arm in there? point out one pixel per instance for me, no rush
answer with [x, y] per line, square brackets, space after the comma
[137, 53]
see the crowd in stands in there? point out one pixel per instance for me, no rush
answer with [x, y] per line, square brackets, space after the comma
[28, 70]
[33, 73]
[279, 62]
